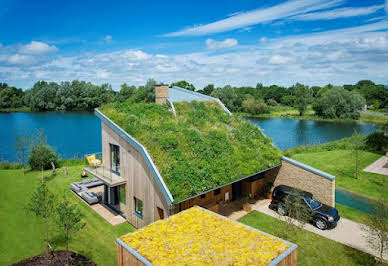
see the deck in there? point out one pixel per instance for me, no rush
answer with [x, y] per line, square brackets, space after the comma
[106, 175]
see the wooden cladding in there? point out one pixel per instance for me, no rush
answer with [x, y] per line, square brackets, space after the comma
[210, 200]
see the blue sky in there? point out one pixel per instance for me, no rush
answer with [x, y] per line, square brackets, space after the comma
[222, 42]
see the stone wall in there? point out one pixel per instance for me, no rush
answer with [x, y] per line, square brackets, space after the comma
[298, 175]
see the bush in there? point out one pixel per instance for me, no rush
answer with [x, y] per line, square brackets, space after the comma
[8, 165]
[255, 107]
[41, 156]
[339, 103]
[377, 141]
[272, 102]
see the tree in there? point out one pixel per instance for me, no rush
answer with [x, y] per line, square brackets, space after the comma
[69, 220]
[41, 154]
[253, 106]
[377, 225]
[183, 84]
[358, 143]
[303, 97]
[338, 103]
[42, 205]
[296, 214]
[208, 89]
[22, 146]
[227, 95]
[126, 92]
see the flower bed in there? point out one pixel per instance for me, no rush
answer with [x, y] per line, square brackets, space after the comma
[197, 237]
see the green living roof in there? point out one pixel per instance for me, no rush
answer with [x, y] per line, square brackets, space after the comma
[201, 148]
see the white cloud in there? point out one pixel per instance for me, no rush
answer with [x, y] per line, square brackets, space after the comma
[279, 60]
[337, 56]
[36, 48]
[250, 18]
[19, 59]
[102, 74]
[108, 39]
[339, 13]
[386, 6]
[213, 44]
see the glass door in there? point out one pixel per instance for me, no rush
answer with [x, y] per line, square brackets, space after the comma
[115, 158]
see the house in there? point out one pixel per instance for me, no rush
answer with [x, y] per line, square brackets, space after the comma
[200, 237]
[188, 149]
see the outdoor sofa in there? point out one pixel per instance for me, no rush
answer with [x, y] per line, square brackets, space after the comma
[82, 190]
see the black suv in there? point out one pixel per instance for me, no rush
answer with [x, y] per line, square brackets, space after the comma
[322, 216]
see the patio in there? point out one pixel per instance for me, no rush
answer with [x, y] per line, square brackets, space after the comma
[379, 167]
[102, 210]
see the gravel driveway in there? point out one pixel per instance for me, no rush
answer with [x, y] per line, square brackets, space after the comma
[346, 232]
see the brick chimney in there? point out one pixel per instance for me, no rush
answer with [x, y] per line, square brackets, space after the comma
[161, 93]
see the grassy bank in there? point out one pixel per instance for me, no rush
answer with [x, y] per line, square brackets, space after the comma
[340, 163]
[17, 109]
[22, 233]
[352, 214]
[293, 113]
[313, 249]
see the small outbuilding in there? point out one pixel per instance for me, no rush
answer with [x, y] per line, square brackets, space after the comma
[197, 236]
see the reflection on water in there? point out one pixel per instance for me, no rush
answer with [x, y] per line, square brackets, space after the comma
[288, 133]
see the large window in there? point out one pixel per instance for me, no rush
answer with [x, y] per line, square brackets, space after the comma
[122, 194]
[115, 158]
[139, 208]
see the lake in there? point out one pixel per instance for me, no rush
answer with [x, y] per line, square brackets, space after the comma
[72, 134]
[288, 133]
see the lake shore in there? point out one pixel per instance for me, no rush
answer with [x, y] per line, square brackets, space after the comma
[286, 112]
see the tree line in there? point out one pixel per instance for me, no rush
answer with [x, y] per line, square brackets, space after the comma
[328, 101]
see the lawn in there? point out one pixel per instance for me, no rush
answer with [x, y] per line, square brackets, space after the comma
[340, 163]
[352, 214]
[313, 249]
[21, 233]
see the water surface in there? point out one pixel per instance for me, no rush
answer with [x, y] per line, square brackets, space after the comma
[71, 134]
[288, 133]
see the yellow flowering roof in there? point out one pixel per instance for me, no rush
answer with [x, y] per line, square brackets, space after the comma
[200, 237]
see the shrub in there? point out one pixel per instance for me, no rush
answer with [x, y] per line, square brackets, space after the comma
[255, 107]
[377, 141]
[272, 102]
[8, 165]
[41, 157]
[339, 103]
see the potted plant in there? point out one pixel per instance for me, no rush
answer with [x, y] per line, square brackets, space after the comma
[246, 206]
[270, 186]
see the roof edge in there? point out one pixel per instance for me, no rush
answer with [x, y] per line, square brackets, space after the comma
[140, 148]
[204, 96]
[309, 168]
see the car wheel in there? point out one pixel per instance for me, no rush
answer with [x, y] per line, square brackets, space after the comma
[320, 224]
[281, 210]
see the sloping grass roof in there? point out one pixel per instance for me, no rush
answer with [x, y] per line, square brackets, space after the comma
[200, 149]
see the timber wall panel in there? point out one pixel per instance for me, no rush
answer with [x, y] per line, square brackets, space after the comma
[140, 181]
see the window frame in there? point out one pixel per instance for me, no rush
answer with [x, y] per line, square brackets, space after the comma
[217, 191]
[137, 213]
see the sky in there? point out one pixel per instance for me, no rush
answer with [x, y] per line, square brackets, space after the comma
[239, 43]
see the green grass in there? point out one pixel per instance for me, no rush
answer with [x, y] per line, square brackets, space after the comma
[21, 233]
[352, 214]
[183, 146]
[16, 109]
[293, 113]
[313, 249]
[340, 163]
